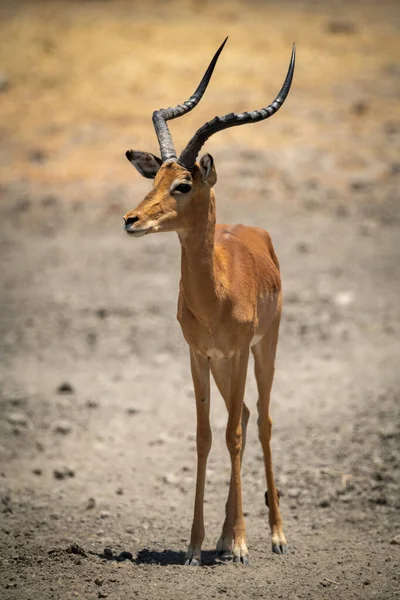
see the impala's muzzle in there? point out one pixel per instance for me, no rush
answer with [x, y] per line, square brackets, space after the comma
[129, 227]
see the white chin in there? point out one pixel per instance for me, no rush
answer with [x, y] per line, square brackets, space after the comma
[137, 233]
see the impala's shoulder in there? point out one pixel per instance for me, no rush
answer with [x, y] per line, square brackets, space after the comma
[253, 239]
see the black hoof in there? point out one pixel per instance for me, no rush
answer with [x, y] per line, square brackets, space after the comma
[192, 562]
[244, 560]
[279, 549]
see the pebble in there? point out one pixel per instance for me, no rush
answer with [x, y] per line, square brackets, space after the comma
[324, 503]
[37, 471]
[63, 473]
[108, 552]
[132, 410]
[395, 541]
[37, 155]
[76, 549]
[92, 404]
[91, 503]
[18, 419]
[104, 514]
[344, 298]
[102, 594]
[65, 388]
[343, 27]
[169, 478]
[62, 427]
[293, 492]
[4, 82]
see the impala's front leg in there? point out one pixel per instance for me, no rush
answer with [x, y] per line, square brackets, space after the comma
[234, 441]
[201, 381]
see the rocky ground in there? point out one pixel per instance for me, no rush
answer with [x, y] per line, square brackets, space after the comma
[97, 423]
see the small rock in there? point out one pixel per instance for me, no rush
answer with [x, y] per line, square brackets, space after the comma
[391, 128]
[131, 530]
[340, 27]
[132, 410]
[63, 428]
[5, 503]
[342, 211]
[396, 540]
[324, 503]
[49, 200]
[91, 338]
[344, 298]
[359, 108]
[108, 553]
[161, 439]
[92, 404]
[76, 549]
[37, 471]
[120, 491]
[63, 473]
[65, 388]
[104, 514]
[18, 419]
[4, 82]
[99, 581]
[37, 155]
[102, 313]
[358, 185]
[395, 168]
[293, 492]
[303, 248]
[102, 594]
[91, 503]
[169, 478]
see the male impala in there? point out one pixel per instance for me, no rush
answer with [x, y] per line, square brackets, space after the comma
[229, 302]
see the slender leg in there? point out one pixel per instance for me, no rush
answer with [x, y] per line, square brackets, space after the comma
[234, 444]
[264, 357]
[201, 381]
[221, 370]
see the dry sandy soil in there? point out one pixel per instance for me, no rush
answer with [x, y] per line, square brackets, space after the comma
[97, 422]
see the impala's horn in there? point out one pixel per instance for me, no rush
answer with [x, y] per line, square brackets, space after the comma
[160, 117]
[189, 154]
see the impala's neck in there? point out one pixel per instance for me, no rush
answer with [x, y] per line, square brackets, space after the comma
[197, 264]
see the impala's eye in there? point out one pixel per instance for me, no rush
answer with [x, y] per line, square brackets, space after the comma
[183, 188]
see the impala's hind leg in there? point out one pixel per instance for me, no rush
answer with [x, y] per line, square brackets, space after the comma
[222, 373]
[264, 357]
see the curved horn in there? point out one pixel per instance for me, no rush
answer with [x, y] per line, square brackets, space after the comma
[160, 117]
[188, 156]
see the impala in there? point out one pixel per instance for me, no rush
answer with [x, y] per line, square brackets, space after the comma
[229, 303]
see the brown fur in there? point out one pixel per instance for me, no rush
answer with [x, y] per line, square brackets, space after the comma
[229, 302]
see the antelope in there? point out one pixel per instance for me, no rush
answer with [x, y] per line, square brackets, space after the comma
[230, 302]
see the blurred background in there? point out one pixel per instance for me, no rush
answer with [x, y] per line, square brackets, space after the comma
[97, 419]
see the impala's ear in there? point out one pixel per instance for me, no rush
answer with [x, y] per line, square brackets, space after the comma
[147, 164]
[207, 169]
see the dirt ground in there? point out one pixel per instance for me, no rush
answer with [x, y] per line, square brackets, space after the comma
[97, 423]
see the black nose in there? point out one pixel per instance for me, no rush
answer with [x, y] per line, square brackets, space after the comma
[130, 221]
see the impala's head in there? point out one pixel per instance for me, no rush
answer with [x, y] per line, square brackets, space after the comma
[180, 183]
[171, 204]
